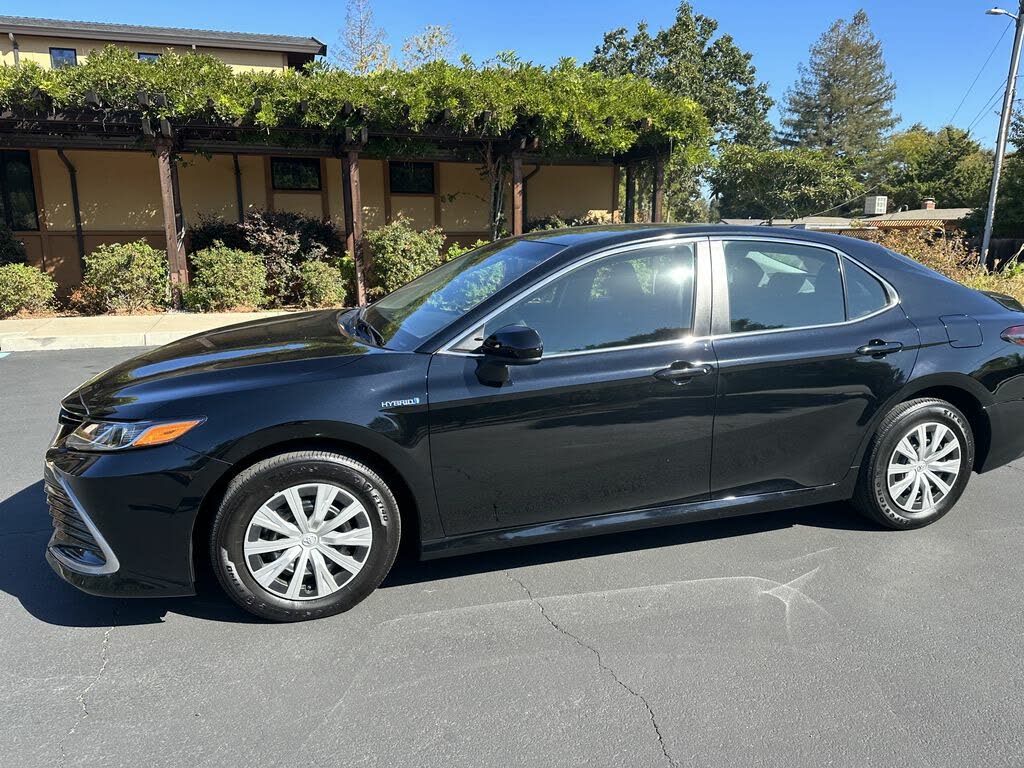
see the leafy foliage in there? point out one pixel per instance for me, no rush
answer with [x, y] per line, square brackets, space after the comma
[124, 277]
[400, 253]
[226, 279]
[946, 164]
[323, 284]
[569, 108]
[12, 250]
[842, 100]
[774, 183]
[24, 289]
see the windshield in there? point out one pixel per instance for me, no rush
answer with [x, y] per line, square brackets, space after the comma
[416, 311]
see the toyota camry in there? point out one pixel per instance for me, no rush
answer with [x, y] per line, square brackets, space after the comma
[550, 386]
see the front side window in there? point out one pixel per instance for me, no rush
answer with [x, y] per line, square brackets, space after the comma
[782, 285]
[638, 297]
[63, 57]
[17, 192]
[295, 173]
[409, 316]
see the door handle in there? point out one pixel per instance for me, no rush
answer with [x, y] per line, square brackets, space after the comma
[681, 372]
[879, 348]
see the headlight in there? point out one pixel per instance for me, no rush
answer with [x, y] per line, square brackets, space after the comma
[118, 435]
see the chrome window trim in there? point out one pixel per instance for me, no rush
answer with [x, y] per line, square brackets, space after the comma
[696, 240]
[112, 565]
[718, 257]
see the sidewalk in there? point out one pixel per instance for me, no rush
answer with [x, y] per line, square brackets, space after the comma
[23, 335]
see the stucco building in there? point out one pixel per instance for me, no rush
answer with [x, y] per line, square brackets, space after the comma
[65, 191]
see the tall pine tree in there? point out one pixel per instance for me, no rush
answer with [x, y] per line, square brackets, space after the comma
[842, 99]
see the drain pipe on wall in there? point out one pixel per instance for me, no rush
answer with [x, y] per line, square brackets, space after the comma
[73, 178]
[14, 47]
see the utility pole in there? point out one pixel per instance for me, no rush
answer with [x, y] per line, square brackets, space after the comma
[1004, 123]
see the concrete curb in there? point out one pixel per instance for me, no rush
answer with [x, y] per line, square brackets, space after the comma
[57, 333]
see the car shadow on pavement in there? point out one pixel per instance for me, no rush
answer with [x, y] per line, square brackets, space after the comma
[408, 570]
[25, 574]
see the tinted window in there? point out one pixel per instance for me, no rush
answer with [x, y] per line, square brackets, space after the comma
[638, 297]
[418, 310]
[781, 285]
[295, 173]
[411, 178]
[864, 293]
[63, 57]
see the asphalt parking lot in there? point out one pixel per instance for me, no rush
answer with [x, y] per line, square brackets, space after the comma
[801, 638]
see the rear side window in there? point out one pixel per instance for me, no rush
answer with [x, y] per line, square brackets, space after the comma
[865, 295]
[638, 297]
[782, 285]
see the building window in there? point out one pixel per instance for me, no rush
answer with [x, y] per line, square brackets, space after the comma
[63, 57]
[148, 56]
[17, 192]
[295, 173]
[411, 178]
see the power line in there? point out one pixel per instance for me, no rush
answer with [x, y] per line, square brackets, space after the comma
[977, 76]
[988, 105]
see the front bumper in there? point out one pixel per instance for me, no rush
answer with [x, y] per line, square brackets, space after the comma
[123, 522]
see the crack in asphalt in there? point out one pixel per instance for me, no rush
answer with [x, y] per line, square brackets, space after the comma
[83, 694]
[602, 665]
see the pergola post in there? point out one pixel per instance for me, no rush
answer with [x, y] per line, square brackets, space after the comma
[170, 199]
[517, 195]
[354, 219]
[658, 191]
[631, 193]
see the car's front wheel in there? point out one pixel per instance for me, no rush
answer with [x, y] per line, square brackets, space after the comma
[918, 464]
[304, 535]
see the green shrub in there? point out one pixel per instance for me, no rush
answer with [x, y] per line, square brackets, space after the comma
[323, 284]
[12, 250]
[401, 254]
[455, 250]
[24, 289]
[226, 279]
[213, 229]
[124, 277]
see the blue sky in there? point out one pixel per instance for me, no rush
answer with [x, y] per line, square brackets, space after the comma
[934, 49]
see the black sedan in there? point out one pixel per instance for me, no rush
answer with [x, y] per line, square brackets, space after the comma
[543, 387]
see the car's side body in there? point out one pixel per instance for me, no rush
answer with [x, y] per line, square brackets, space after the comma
[581, 443]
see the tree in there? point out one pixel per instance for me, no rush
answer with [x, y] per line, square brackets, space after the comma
[361, 45]
[687, 59]
[434, 43]
[946, 164]
[842, 99]
[772, 183]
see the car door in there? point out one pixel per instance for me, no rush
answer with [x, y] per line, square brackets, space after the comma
[616, 415]
[809, 345]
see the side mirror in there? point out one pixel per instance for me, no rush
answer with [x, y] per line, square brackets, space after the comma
[514, 345]
[511, 345]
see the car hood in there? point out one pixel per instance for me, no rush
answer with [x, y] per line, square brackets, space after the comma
[248, 354]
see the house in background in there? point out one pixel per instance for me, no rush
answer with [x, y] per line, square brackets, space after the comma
[68, 186]
[925, 216]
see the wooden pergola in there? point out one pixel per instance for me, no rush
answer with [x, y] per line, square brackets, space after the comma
[99, 128]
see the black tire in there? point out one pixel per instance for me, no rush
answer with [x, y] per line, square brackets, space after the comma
[872, 497]
[256, 485]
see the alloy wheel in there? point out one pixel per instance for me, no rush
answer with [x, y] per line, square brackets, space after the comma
[924, 468]
[308, 541]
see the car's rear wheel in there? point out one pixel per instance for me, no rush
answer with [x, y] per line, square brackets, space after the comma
[304, 535]
[918, 465]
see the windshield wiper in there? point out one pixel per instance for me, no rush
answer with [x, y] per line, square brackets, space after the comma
[372, 333]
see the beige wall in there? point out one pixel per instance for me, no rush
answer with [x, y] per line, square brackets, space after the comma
[464, 198]
[568, 190]
[37, 49]
[371, 189]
